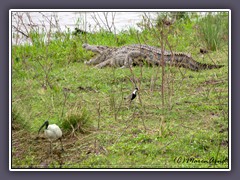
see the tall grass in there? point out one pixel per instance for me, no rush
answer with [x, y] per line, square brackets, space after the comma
[77, 120]
[213, 30]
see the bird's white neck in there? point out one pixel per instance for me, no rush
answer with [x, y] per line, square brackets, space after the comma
[135, 91]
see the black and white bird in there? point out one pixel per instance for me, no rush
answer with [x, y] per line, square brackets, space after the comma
[133, 95]
[52, 132]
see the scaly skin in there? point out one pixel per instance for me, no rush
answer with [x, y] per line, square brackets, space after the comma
[136, 54]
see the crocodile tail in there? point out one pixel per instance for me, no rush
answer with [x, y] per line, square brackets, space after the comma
[209, 66]
[187, 61]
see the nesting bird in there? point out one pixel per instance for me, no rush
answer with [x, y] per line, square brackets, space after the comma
[52, 132]
[133, 95]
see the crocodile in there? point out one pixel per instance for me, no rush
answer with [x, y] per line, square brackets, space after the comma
[136, 54]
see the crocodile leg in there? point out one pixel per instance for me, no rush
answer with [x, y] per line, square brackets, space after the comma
[104, 63]
[132, 57]
[99, 59]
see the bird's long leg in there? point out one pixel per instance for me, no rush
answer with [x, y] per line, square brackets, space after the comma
[130, 103]
[61, 143]
[50, 148]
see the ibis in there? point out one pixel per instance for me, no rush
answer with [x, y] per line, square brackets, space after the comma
[133, 95]
[52, 132]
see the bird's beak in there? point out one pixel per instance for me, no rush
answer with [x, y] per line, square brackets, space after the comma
[44, 124]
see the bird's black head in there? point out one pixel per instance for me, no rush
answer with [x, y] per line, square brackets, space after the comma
[136, 88]
[46, 123]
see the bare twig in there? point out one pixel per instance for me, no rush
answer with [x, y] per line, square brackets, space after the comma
[99, 114]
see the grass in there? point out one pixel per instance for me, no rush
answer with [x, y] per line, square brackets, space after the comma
[214, 30]
[100, 129]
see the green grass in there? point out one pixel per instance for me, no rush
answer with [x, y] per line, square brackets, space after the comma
[100, 129]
